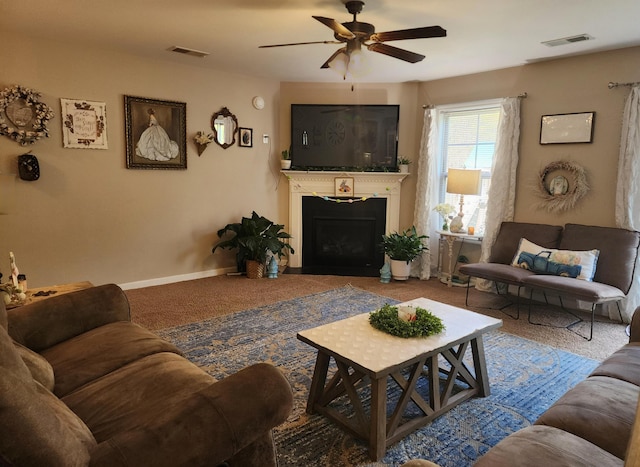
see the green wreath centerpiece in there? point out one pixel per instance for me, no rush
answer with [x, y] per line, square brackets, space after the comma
[386, 319]
[31, 122]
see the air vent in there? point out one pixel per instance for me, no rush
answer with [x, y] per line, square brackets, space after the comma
[568, 40]
[185, 51]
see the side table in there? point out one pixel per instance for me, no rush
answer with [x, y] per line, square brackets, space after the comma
[42, 293]
[449, 238]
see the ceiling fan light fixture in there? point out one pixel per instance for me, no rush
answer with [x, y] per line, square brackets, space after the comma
[340, 64]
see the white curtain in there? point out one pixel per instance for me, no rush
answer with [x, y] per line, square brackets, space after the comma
[502, 192]
[628, 192]
[426, 193]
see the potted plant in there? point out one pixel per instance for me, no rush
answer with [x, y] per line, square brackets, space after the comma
[254, 236]
[285, 162]
[403, 164]
[402, 248]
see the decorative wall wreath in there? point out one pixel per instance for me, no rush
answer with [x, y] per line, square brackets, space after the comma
[23, 117]
[562, 196]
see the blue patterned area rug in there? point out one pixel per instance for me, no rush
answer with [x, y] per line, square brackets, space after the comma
[525, 377]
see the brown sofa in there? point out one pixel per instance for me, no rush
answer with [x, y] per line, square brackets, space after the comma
[80, 384]
[618, 249]
[592, 424]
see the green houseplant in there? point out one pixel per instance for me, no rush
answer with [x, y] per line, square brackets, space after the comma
[403, 164]
[402, 248]
[253, 237]
[285, 162]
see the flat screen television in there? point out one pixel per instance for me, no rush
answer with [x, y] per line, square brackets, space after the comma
[344, 137]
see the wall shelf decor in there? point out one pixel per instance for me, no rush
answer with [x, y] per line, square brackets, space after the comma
[567, 128]
[84, 124]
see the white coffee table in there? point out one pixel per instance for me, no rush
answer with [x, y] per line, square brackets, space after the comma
[366, 356]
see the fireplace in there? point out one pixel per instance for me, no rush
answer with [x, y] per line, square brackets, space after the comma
[342, 238]
[369, 189]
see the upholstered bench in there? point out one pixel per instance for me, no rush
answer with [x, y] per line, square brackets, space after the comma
[615, 254]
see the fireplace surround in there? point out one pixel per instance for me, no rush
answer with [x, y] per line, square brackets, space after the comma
[321, 185]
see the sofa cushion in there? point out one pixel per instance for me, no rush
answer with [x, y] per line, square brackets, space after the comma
[39, 367]
[102, 350]
[128, 398]
[618, 251]
[38, 429]
[536, 446]
[496, 272]
[566, 263]
[599, 409]
[592, 292]
[509, 236]
[624, 364]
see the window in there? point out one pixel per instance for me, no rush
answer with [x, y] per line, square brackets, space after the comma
[467, 141]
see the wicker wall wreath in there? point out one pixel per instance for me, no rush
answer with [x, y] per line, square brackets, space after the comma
[560, 194]
[23, 117]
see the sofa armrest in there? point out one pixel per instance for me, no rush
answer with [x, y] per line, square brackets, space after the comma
[45, 323]
[209, 427]
[634, 334]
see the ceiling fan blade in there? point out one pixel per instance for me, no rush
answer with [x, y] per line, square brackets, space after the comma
[416, 33]
[338, 28]
[334, 55]
[395, 52]
[298, 43]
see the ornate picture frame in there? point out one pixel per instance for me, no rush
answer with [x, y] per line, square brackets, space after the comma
[344, 187]
[84, 124]
[567, 128]
[156, 133]
[245, 139]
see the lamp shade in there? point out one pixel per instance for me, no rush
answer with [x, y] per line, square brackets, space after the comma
[463, 181]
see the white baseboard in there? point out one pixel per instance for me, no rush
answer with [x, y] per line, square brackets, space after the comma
[172, 279]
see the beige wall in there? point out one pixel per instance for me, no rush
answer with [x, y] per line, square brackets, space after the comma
[90, 218]
[577, 84]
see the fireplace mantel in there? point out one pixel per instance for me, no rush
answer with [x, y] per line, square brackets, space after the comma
[320, 183]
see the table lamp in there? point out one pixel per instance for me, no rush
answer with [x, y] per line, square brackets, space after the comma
[462, 182]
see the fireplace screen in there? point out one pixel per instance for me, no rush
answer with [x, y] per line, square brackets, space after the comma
[342, 238]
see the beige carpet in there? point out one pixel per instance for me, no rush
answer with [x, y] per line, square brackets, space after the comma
[184, 302]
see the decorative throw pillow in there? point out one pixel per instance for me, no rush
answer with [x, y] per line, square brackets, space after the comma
[40, 368]
[568, 263]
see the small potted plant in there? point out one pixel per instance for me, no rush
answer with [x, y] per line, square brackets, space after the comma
[285, 162]
[402, 249]
[254, 236]
[403, 164]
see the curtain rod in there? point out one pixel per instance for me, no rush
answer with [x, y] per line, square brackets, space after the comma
[613, 85]
[522, 95]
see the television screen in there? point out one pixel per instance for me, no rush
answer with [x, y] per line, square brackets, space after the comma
[344, 137]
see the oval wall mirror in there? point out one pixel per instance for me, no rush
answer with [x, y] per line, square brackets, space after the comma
[224, 125]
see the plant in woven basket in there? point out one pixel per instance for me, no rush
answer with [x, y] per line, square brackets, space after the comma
[253, 237]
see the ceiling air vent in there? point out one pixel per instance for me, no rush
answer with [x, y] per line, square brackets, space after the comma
[185, 51]
[568, 40]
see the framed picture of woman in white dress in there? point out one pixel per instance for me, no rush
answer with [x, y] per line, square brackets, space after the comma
[156, 133]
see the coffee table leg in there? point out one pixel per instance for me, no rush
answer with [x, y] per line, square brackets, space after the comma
[319, 378]
[378, 430]
[480, 366]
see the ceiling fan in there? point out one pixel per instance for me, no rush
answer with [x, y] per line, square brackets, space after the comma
[355, 34]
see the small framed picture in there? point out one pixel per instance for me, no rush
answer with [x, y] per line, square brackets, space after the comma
[84, 124]
[246, 137]
[156, 133]
[344, 187]
[567, 128]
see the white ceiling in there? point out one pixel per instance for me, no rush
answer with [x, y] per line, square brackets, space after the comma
[481, 35]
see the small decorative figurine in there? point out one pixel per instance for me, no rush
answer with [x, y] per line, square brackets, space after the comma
[273, 268]
[385, 273]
